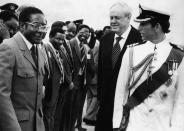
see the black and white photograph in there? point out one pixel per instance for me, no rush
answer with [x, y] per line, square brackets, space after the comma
[91, 65]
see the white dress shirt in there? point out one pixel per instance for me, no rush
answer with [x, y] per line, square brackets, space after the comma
[124, 37]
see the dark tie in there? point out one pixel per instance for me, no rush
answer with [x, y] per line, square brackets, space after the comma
[34, 54]
[116, 51]
[83, 56]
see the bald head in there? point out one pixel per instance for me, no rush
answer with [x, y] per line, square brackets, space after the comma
[71, 30]
[72, 27]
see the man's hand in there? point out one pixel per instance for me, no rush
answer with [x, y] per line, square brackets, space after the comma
[71, 86]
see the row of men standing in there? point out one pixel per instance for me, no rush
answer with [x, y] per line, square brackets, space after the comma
[31, 70]
[77, 59]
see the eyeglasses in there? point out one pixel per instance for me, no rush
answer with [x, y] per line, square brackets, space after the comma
[38, 26]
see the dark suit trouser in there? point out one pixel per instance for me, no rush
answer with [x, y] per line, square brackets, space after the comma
[65, 124]
[58, 114]
[73, 113]
[78, 99]
[81, 95]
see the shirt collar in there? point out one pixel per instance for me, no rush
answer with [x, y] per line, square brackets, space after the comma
[163, 44]
[28, 44]
[125, 34]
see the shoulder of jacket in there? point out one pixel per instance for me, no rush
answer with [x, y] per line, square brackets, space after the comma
[178, 47]
[132, 45]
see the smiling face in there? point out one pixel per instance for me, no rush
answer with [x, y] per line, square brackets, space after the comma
[119, 19]
[83, 34]
[34, 30]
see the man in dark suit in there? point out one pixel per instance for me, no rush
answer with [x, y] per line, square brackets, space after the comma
[111, 50]
[79, 77]
[66, 55]
[54, 88]
[21, 75]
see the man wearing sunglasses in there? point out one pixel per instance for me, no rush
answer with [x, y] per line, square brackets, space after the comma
[21, 74]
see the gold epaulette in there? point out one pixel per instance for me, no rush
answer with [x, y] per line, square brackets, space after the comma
[132, 45]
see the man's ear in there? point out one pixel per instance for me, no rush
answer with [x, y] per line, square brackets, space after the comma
[22, 25]
[158, 26]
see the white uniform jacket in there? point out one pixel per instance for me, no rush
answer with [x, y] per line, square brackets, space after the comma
[163, 110]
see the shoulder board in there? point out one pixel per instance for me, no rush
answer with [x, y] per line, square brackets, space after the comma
[142, 42]
[178, 47]
[133, 45]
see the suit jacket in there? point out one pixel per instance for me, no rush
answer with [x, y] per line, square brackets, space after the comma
[77, 79]
[68, 65]
[54, 87]
[90, 67]
[21, 89]
[107, 77]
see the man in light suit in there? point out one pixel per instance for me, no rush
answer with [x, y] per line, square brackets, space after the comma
[21, 75]
[120, 15]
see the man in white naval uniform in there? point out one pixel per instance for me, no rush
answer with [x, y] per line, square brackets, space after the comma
[150, 85]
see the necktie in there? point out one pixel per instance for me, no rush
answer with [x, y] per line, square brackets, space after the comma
[116, 51]
[64, 51]
[83, 57]
[34, 54]
[60, 66]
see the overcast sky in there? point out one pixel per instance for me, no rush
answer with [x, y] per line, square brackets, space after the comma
[96, 12]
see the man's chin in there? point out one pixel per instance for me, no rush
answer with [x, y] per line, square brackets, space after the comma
[115, 30]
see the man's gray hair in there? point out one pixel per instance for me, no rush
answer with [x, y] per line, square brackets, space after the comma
[127, 9]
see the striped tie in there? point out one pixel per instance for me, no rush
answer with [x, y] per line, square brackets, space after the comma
[61, 66]
[116, 51]
[83, 57]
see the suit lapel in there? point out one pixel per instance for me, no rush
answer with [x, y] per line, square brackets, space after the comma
[68, 50]
[28, 56]
[54, 55]
[26, 52]
[130, 37]
[65, 55]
